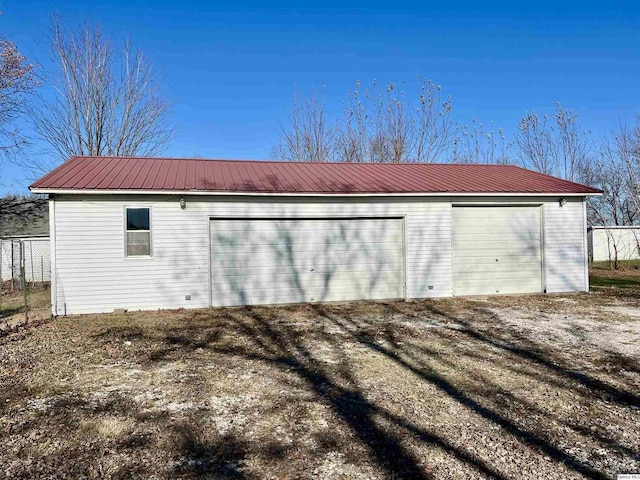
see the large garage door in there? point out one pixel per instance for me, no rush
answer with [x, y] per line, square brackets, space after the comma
[496, 250]
[267, 261]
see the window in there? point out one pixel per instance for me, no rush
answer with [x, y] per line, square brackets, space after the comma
[138, 231]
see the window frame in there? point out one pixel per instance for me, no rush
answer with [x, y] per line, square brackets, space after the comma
[126, 230]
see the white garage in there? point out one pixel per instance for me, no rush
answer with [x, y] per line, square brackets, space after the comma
[497, 249]
[150, 233]
[271, 261]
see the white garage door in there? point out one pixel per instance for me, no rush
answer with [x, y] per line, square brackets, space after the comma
[496, 250]
[268, 261]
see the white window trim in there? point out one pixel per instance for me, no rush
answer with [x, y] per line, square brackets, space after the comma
[124, 216]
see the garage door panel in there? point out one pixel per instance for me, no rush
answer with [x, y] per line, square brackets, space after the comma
[472, 260]
[500, 225]
[318, 285]
[508, 252]
[258, 258]
[303, 260]
[367, 231]
[498, 275]
[301, 246]
[492, 236]
[501, 288]
[503, 284]
[479, 228]
[266, 277]
[490, 249]
[515, 270]
[263, 297]
[270, 270]
[510, 235]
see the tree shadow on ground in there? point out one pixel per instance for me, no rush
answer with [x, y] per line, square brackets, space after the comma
[273, 337]
[200, 456]
[339, 388]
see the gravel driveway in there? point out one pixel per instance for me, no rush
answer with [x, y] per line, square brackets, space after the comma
[505, 387]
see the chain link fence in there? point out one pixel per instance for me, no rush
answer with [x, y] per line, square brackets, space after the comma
[25, 270]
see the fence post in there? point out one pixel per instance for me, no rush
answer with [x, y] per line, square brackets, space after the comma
[42, 268]
[13, 266]
[33, 277]
[1, 262]
[23, 282]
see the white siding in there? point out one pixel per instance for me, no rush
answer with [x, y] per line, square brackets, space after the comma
[565, 246]
[92, 275]
[606, 241]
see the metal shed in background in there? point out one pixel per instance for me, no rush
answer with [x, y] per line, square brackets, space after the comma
[606, 243]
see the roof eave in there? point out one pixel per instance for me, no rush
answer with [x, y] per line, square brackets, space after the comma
[306, 194]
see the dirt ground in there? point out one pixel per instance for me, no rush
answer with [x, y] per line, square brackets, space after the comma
[504, 387]
[12, 307]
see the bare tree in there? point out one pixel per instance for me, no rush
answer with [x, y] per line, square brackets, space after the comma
[308, 136]
[376, 126]
[387, 125]
[17, 81]
[610, 209]
[623, 151]
[106, 99]
[379, 124]
[574, 146]
[533, 143]
[475, 144]
[616, 172]
[555, 146]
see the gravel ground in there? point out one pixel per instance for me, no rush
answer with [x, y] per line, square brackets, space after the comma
[504, 387]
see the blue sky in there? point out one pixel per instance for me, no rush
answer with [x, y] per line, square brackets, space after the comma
[230, 68]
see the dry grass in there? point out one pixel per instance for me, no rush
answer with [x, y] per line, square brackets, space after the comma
[603, 275]
[507, 387]
[108, 427]
[12, 302]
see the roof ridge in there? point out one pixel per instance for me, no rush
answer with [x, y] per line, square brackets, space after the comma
[294, 162]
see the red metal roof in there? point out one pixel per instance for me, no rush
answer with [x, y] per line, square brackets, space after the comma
[184, 175]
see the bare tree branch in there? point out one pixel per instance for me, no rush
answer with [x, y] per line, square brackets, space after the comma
[624, 149]
[380, 125]
[307, 137]
[17, 82]
[106, 101]
[476, 145]
[556, 146]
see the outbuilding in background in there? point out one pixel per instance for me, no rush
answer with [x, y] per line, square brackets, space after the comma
[24, 232]
[613, 243]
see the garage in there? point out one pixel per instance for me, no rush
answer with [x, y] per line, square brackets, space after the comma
[271, 261]
[149, 233]
[497, 249]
